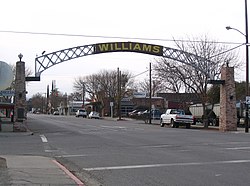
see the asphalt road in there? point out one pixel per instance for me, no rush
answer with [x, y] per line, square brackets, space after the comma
[105, 152]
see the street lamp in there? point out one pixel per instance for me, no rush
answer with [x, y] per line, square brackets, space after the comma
[230, 28]
[247, 63]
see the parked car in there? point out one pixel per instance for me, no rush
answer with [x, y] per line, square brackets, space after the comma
[133, 113]
[56, 112]
[155, 114]
[81, 113]
[176, 117]
[94, 115]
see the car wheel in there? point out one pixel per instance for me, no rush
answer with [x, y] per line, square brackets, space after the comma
[172, 124]
[161, 123]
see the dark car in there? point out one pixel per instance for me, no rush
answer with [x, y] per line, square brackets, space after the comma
[155, 114]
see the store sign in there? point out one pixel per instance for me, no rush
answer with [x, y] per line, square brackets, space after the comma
[140, 94]
[7, 93]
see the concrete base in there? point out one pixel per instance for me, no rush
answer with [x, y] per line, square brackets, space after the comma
[8, 127]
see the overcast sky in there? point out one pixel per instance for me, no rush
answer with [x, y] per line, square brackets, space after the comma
[158, 19]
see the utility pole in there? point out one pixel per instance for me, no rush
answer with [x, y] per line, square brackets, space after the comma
[119, 94]
[247, 70]
[83, 94]
[150, 94]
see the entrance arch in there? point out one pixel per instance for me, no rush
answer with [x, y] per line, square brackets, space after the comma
[48, 60]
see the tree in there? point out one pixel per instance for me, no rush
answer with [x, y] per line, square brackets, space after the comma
[103, 85]
[240, 88]
[37, 102]
[144, 86]
[182, 77]
[214, 92]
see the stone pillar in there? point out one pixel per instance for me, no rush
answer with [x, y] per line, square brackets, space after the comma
[20, 92]
[228, 112]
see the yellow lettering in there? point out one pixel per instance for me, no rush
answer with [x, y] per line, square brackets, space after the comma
[156, 49]
[117, 47]
[124, 47]
[103, 47]
[146, 48]
[137, 47]
[130, 46]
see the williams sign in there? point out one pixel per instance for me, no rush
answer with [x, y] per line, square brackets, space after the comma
[128, 47]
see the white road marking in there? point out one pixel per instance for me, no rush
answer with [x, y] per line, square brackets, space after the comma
[51, 150]
[157, 146]
[113, 127]
[44, 139]
[238, 148]
[165, 165]
[73, 155]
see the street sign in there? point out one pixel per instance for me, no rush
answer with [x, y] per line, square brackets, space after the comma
[29, 78]
[7, 93]
[247, 100]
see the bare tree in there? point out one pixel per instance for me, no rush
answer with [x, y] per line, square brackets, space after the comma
[103, 85]
[182, 77]
[144, 86]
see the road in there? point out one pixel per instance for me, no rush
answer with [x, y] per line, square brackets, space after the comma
[124, 153]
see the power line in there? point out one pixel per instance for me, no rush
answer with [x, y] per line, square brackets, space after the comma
[228, 50]
[139, 74]
[109, 37]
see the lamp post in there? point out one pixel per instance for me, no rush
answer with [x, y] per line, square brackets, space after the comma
[247, 63]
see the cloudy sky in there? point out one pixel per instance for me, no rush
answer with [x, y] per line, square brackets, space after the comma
[157, 22]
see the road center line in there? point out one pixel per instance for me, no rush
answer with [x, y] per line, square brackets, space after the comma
[165, 165]
[71, 156]
[238, 148]
[44, 139]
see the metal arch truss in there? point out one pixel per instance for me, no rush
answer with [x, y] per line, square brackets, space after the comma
[186, 58]
[48, 60]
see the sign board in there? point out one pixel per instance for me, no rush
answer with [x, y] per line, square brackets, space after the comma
[111, 104]
[128, 47]
[29, 78]
[7, 93]
[247, 100]
[140, 94]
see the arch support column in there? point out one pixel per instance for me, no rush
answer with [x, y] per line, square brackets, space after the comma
[20, 92]
[228, 112]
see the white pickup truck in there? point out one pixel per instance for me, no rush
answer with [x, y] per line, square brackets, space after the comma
[175, 118]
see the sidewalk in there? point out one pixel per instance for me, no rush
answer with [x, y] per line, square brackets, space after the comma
[34, 170]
